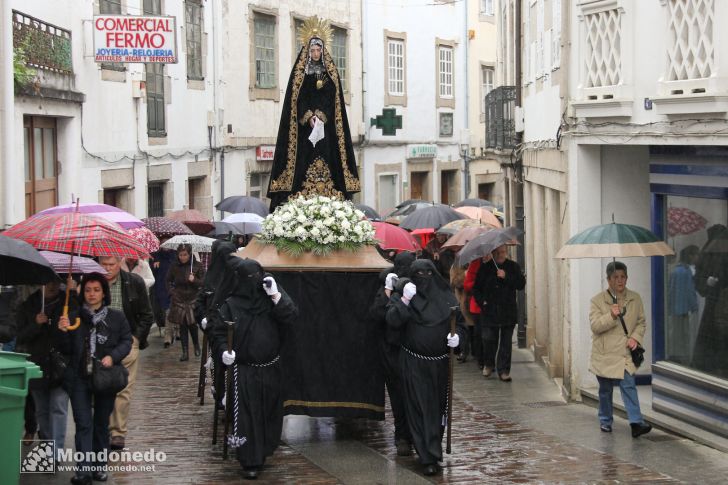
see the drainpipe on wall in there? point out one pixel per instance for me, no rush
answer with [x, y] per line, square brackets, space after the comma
[10, 169]
[516, 188]
[466, 164]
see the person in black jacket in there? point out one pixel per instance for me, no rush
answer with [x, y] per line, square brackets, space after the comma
[38, 335]
[422, 313]
[105, 337]
[495, 291]
[129, 294]
[261, 311]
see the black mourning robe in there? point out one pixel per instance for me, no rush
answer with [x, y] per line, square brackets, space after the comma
[257, 336]
[423, 360]
[329, 168]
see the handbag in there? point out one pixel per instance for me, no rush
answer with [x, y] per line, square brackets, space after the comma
[638, 353]
[109, 380]
[57, 363]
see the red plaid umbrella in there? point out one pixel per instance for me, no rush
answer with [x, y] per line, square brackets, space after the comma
[77, 233]
[146, 238]
[682, 221]
[194, 220]
[166, 227]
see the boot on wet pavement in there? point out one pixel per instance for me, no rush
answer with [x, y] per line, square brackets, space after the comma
[404, 448]
[185, 355]
[250, 472]
[638, 429]
[431, 469]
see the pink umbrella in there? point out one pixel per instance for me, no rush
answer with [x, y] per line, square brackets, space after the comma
[60, 262]
[393, 237]
[146, 238]
[108, 212]
[683, 221]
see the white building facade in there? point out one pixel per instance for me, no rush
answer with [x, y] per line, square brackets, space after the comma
[132, 135]
[644, 135]
[257, 47]
[414, 102]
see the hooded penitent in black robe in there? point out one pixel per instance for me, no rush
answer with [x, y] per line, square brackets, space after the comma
[329, 168]
[424, 326]
[209, 299]
[257, 415]
[390, 347]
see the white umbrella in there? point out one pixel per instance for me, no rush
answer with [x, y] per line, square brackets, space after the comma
[199, 244]
[246, 222]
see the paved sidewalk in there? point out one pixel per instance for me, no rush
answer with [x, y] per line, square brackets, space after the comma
[518, 432]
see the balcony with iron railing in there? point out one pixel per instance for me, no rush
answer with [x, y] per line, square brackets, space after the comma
[500, 124]
[44, 46]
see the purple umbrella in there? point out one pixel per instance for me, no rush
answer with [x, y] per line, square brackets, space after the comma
[108, 212]
[59, 262]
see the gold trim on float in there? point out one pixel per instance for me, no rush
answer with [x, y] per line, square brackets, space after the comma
[334, 404]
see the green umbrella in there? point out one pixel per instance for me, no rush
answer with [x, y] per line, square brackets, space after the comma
[614, 241]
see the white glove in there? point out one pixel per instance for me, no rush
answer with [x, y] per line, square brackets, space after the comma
[409, 291]
[203, 323]
[390, 281]
[270, 286]
[712, 281]
[453, 340]
[228, 357]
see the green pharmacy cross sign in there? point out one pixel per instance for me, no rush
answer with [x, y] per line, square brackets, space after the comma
[389, 121]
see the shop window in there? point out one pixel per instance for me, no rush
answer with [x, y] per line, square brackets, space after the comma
[696, 280]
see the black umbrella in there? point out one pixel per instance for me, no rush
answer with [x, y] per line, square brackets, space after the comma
[243, 203]
[433, 216]
[224, 229]
[486, 243]
[407, 209]
[368, 212]
[474, 203]
[22, 264]
[410, 202]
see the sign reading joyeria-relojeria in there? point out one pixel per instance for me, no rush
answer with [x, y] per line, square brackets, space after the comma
[128, 38]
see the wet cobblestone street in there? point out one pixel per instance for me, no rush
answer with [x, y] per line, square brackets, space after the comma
[489, 445]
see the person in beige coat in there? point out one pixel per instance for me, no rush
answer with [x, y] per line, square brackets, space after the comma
[611, 360]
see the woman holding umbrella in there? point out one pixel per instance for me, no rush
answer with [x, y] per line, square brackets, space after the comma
[104, 338]
[183, 282]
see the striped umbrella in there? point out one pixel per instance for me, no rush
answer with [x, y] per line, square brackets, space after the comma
[108, 212]
[165, 227]
[60, 263]
[77, 234]
[146, 238]
[614, 241]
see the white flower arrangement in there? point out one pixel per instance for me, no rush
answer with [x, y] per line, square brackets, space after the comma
[318, 224]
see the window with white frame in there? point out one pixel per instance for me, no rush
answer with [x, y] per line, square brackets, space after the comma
[603, 53]
[265, 56]
[445, 71]
[193, 38]
[556, 34]
[690, 48]
[486, 7]
[486, 78]
[258, 186]
[395, 67]
[338, 54]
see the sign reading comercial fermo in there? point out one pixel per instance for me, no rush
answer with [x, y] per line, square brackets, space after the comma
[128, 38]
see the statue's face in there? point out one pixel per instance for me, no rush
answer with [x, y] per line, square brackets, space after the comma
[315, 52]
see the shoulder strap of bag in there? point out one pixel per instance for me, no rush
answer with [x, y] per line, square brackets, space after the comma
[621, 320]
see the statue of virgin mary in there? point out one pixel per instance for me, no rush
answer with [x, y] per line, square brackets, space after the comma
[314, 154]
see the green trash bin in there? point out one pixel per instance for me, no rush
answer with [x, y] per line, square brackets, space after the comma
[15, 372]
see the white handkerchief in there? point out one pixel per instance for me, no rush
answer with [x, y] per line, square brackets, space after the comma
[317, 133]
